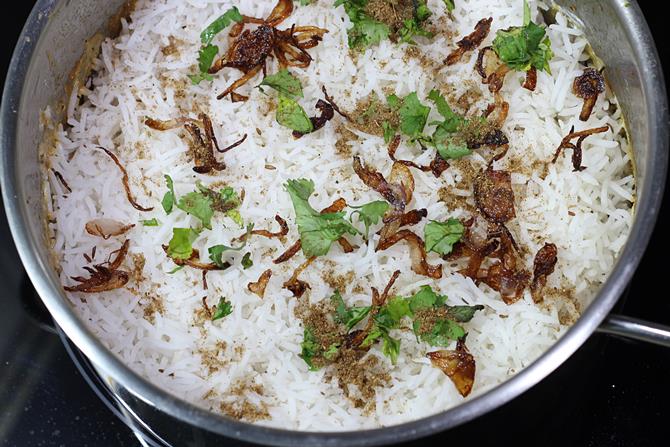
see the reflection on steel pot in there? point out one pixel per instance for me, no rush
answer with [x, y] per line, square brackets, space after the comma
[52, 42]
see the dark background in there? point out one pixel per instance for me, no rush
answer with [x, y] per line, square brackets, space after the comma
[612, 392]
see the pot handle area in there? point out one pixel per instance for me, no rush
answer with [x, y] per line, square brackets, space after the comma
[636, 329]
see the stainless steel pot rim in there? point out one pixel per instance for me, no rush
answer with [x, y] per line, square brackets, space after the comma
[654, 91]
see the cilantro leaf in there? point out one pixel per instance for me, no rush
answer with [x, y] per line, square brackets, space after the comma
[150, 222]
[389, 131]
[291, 114]
[169, 197]
[390, 315]
[317, 231]
[452, 121]
[390, 347]
[176, 269]
[206, 57]
[463, 314]
[223, 309]
[310, 348]
[440, 237]
[247, 262]
[181, 244]
[331, 352]
[365, 31]
[216, 251]
[413, 114]
[198, 205]
[442, 333]
[370, 213]
[350, 317]
[449, 4]
[524, 47]
[453, 150]
[424, 299]
[218, 25]
[285, 83]
[413, 27]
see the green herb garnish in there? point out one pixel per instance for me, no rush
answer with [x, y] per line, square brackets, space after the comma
[181, 244]
[247, 262]
[291, 114]
[223, 309]
[169, 197]
[310, 348]
[317, 231]
[285, 83]
[440, 237]
[524, 47]
[370, 213]
[349, 317]
[413, 114]
[207, 51]
[150, 222]
[365, 31]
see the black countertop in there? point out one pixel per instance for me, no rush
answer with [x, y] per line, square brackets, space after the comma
[612, 392]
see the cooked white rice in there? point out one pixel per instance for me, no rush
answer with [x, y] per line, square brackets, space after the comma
[587, 214]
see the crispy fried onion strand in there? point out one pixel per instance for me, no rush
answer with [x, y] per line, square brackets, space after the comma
[104, 277]
[437, 166]
[459, 365]
[259, 286]
[588, 86]
[543, 266]
[471, 41]
[106, 228]
[194, 262]
[295, 285]
[126, 181]
[577, 148]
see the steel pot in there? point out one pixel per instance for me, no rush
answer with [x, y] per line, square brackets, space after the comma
[53, 40]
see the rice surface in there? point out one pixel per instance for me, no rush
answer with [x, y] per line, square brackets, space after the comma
[155, 323]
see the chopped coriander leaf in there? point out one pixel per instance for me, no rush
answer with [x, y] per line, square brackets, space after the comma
[365, 31]
[221, 23]
[206, 57]
[413, 114]
[331, 352]
[390, 347]
[223, 309]
[198, 205]
[414, 27]
[317, 231]
[452, 121]
[181, 244]
[463, 314]
[370, 213]
[285, 83]
[247, 262]
[389, 131]
[310, 348]
[453, 150]
[424, 299]
[350, 317]
[216, 251]
[524, 47]
[290, 114]
[176, 269]
[150, 222]
[390, 315]
[450, 5]
[169, 197]
[440, 237]
[442, 332]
